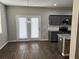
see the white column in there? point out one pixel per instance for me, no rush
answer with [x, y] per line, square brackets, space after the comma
[74, 48]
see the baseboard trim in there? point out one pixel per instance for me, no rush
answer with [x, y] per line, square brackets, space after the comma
[3, 45]
[27, 40]
[20, 41]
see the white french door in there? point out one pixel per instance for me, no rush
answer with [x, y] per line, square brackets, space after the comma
[28, 27]
[34, 27]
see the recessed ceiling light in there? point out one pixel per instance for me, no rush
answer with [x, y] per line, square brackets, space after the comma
[55, 4]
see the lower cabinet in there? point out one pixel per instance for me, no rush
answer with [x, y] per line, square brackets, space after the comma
[53, 36]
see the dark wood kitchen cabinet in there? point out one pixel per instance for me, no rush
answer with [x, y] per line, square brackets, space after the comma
[58, 19]
[53, 36]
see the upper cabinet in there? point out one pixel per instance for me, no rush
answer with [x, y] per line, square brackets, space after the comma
[58, 19]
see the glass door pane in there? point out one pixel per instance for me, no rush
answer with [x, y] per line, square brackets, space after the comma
[22, 22]
[34, 27]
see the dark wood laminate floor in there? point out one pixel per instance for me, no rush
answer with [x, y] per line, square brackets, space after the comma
[30, 50]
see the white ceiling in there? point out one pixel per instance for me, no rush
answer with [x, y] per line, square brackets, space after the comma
[38, 3]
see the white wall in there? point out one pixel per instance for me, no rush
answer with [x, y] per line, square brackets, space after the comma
[74, 48]
[3, 36]
[43, 12]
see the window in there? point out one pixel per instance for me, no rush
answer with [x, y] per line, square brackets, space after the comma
[0, 23]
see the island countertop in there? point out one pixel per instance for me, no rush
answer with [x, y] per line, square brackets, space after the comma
[65, 36]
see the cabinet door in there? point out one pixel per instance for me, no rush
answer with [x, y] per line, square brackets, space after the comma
[49, 35]
[54, 36]
[52, 20]
[55, 20]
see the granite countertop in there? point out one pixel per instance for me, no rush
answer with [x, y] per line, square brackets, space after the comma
[66, 36]
[56, 28]
[53, 28]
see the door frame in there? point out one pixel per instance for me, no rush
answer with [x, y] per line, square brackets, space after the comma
[29, 38]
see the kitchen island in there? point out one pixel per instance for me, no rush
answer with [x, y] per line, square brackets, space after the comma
[64, 44]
